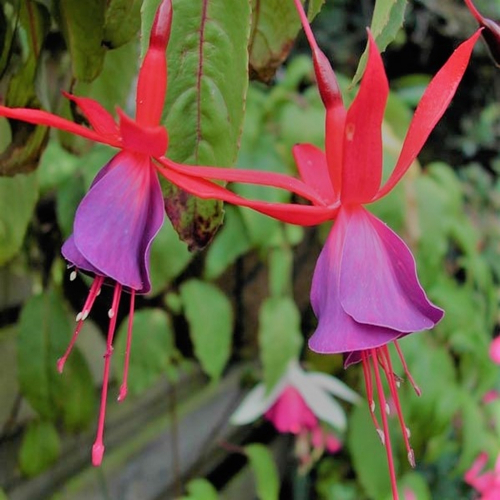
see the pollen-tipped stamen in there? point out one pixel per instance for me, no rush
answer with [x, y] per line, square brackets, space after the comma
[387, 367]
[416, 388]
[80, 318]
[124, 387]
[365, 358]
[387, 437]
[98, 447]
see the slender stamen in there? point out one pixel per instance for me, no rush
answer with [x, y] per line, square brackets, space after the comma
[387, 437]
[416, 388]
[98, 447]
[394, 393]
[123, 387]
[80, 318]
[365, 357]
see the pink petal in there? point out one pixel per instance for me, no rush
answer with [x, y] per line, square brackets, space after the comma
[118, 219]
[337, 332]
[378, 278]
[100, 120]
[39, 117]
[304, 215]
[362, 161]
[151, 141]
[152, 81]
[313, 169]
[431, 107]
[256, 177]
[290, 413]
[495, 350]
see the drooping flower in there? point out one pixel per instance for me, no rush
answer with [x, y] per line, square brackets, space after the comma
[491, 32]
[487, 484]
[302, 404]
[365, 291]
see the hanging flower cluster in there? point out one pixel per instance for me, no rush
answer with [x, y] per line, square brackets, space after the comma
[365, 289]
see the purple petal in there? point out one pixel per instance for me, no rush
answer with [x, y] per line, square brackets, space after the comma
[337, 332]
[73, 255]
[378, 278]
[117, 220]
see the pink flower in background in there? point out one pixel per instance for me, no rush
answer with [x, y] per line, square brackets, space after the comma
[290, 413]
[486, 483]
[302, 404]
[495, 350]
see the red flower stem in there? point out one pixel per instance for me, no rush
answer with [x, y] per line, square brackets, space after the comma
[98, 447]
[124, 386]
[383, 414]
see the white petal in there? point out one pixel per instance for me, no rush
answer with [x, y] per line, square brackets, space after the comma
[252, 407]
[324, 406]
[334, 386]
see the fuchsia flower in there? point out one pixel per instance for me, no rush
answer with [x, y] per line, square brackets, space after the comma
[485, 483]
[302, 404]
[365, 290]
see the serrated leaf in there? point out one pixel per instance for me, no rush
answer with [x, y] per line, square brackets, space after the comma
[210, 317]
[208, 61]
[231, 242]
[169, 257]
[44, 331]
[18, 197]
[313, 8]
[265, 470]
[40, 448]
[200, 489]
[280, 338]
[275, 25]
[152, 349]
[388, 17]
[122, 22]
[82, 24]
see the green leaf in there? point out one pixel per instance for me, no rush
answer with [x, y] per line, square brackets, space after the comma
[230, 243]
[388, 17]
[280, 272]
[44, 331]
[112, 87]
[313, 8]
[40, 448]
[27, 142]
[18, 196]
[208, 61]
[3, 495]
[68, 197]
[275, 25]
[210, 317]
[122, 22]
[200, 489]
[265, 470]
[82, 24]
[169, 257]
[34, 23]
[280, 338]
[367, 454]
[152, 349]
[8, 20]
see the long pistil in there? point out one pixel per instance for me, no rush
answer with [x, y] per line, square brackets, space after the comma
[98, 447]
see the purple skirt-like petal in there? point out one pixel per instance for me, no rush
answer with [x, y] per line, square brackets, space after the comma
[117, 221]
[365, 292]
